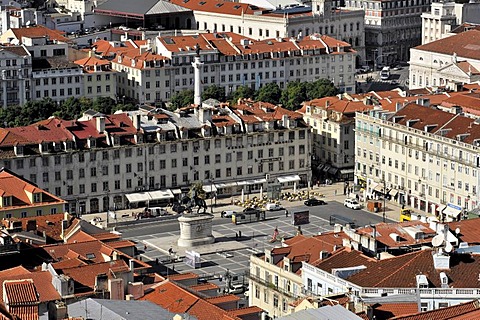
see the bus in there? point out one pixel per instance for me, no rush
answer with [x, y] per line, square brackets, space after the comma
[385, 73]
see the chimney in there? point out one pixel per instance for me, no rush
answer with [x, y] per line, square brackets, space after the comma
[285, 122]
[90, 53]
[131, 265]
[100, 122]
[137, 121]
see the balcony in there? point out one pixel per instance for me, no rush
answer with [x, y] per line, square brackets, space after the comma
[271, 285]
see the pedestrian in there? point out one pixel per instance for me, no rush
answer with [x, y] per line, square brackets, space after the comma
[145, 248]
[156, 261]
[286, 213]
[335, 192]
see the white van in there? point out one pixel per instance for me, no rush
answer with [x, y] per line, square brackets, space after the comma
[273, 207]
[158, 211]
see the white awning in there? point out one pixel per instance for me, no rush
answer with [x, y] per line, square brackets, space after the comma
[137, 197]
[242, 183]
[379, 188]
[452, 210]
[149, 196]
[286, 179]
[176, 191]
[393, 192]
[256, 181]
[373, 185]
[346, 171]
[209, 188]
[161, 194]
[225, 185]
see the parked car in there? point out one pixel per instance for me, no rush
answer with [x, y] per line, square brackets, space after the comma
[273, 207]
[352, 204]
[314, 202]
[227, 213]
[158, 211]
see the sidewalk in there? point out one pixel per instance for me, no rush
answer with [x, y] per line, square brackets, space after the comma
[332, 192]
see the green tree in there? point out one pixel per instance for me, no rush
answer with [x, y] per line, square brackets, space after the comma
[214, 92]
[321, 88]
[104, 105]
[124, 107]
[69, 109]
[294, 94]
[241, 92]
[182, 99]
[270, 92]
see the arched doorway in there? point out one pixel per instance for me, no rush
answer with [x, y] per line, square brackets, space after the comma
[189, 23]
[117, 202]
[177, 23]
[94, 205]
[106, 203]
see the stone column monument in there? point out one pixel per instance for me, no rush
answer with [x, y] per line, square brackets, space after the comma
[195, 230]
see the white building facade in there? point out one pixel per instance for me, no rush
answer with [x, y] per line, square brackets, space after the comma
[231, 61]
[445, 16]
[420, 156]
[259, 23]
[391, 28]
[93, 163]
[16, 65]
[446, 61]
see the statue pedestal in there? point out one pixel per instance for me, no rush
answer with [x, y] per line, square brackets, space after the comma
[195, 230]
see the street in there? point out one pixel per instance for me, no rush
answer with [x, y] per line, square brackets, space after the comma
[398, 79]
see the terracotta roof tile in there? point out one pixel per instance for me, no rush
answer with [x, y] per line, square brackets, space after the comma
[389, 310]
[223, 299]
[204, 286]
[178, 300]
[25, 312]
[85, 275]
[39, 31]
[465, 310]
[464, 45]
[20, 292]
[183, 276]
[13, 185]
[468, 230]
[378, 273]
[41, 279]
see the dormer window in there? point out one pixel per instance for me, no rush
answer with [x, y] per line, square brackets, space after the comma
[116, 140]
[7, 201]
[37, 197]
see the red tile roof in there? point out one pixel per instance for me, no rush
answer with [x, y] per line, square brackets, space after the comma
[464, 45]
[400, 272]
[401, 229]
[223, 299]
[183, 276]
[41, 279]
[175, 299]
[85, 275]
[468, 230]
[39, 31]
[50, 224]
[204, 287]
[308, 249]
[389, 310]
[16, 187]
[88, 250]
[467, 310]
[20, 292]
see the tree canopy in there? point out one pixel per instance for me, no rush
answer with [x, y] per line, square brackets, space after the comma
[181, 99]
[34, 111]
[270, 92]
[214, 92]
